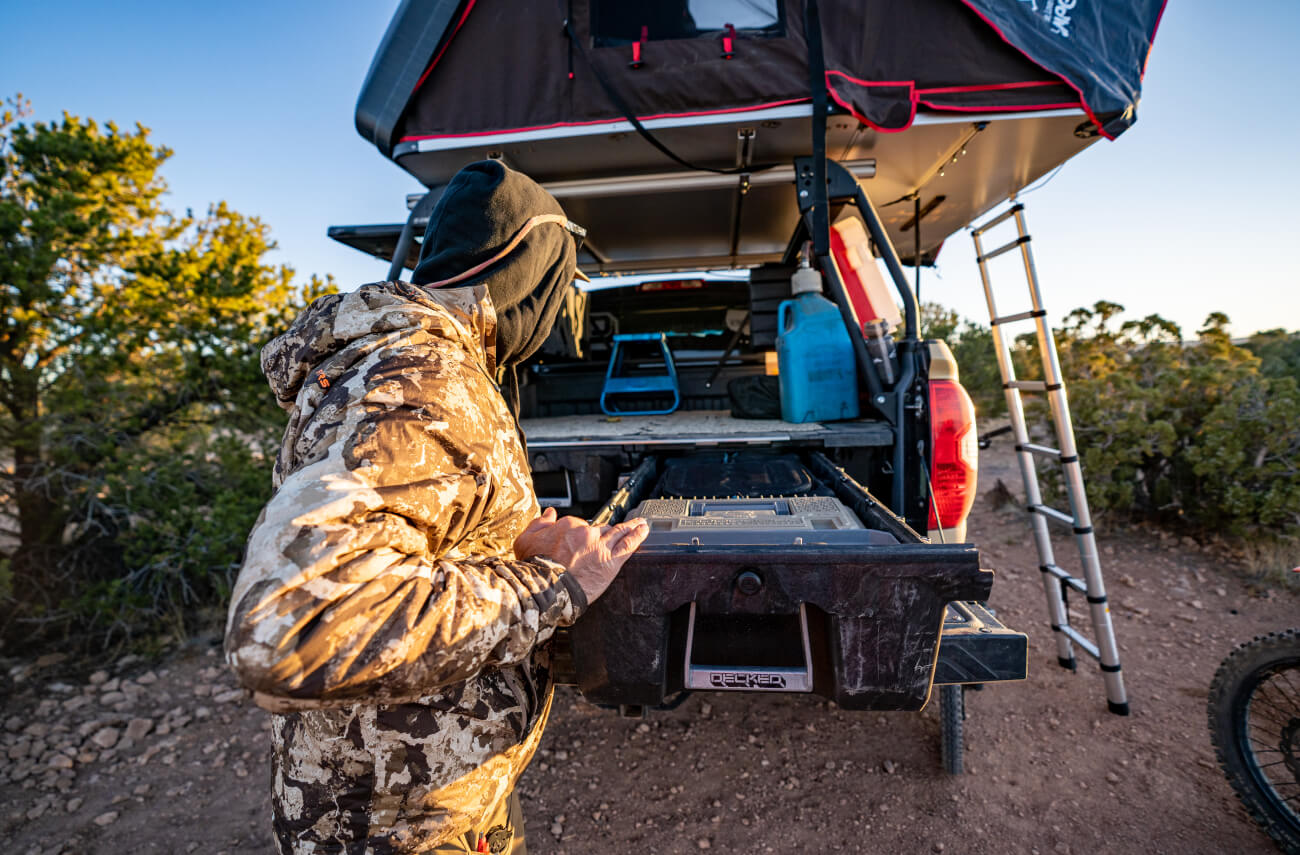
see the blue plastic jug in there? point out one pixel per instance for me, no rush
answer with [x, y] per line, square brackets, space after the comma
[815, 361]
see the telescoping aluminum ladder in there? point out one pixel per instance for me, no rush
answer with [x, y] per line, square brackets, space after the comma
[1057, 582]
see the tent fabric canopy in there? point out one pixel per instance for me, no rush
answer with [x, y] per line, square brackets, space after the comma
[1099, 48]
[489, 67]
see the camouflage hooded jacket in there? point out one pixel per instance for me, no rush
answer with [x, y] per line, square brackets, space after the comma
[380, 611]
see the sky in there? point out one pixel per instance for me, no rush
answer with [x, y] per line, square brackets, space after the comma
[1193, 210]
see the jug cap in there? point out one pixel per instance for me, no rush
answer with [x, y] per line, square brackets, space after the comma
[805, 279]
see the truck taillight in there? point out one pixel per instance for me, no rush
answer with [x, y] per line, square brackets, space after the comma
[954, 458]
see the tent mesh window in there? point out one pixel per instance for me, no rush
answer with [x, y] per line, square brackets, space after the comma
[618, 22]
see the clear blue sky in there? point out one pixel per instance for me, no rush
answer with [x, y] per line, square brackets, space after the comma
[1193, 210]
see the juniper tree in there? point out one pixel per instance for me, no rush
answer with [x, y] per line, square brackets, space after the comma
[120, 321]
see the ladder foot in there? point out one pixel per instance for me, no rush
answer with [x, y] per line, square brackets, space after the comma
[1069, 664]
[1117, 709]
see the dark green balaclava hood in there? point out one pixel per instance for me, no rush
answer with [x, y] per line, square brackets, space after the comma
[484, 206]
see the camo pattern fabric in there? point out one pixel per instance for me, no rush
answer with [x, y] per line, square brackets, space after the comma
[380, 612]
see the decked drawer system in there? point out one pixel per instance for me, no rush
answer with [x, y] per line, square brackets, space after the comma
[824, 591]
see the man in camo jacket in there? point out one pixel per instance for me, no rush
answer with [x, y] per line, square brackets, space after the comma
[399, 587]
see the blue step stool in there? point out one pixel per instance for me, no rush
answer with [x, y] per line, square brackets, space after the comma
[616, 383]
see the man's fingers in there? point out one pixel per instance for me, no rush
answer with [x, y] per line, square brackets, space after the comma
[638, 526]
[624, 538]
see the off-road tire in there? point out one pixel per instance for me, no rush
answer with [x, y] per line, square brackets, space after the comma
[1238, 677]
[952, 713]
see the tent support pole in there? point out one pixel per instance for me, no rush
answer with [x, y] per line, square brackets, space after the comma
[418, 219]
[916, 245]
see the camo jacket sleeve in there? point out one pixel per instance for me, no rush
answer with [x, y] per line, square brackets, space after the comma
[383, 568]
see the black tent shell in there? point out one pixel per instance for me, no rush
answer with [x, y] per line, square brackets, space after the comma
[960, 101]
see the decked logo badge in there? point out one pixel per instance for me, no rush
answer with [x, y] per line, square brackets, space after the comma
[747, 680]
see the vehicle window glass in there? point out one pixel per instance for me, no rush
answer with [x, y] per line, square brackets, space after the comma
[618, 22]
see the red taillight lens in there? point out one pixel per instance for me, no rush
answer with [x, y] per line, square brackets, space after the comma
[954, 457]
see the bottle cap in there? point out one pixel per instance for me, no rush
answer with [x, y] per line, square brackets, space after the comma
[805, 280]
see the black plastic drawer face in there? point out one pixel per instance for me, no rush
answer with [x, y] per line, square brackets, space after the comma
[874, 618]
[825, 591]
[974, 647]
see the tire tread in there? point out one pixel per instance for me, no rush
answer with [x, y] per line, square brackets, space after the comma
[1240, 664]
[952, 712]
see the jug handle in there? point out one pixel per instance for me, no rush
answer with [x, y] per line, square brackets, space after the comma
[782, 313]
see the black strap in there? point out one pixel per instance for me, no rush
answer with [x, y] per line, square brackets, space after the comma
[821, 224]
[568, 15]
[622, 107]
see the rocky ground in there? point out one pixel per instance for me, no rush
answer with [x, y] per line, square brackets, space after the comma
[170, 756]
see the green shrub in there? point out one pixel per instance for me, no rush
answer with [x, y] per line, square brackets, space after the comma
[1204, 434]
[181, 518]
[132, 406]
[1187, 433]
[1278, 352]
[1247, 459]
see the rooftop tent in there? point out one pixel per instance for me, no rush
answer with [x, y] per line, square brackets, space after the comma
[1019, 85]
[489, 66]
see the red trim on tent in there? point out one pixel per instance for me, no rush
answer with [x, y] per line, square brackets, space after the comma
[463, 15]
[915, 98]
[606, 121]
[1152, 40]
[910, 84]
[1083, 103]
[1028, 84]
[978, 109]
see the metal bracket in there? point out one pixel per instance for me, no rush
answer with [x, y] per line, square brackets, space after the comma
[891, 402]
[753, 678]
[841, 186]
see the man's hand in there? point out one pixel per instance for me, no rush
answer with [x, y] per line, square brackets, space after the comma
[593, 555]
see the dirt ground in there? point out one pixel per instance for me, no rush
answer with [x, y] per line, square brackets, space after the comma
[171, 758]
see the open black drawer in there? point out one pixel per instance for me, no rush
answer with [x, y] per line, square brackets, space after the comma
[852, 614]
[858, 625]
[974, 648]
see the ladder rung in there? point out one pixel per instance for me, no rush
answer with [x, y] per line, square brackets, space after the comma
[1052, 514]
[1088, 647]
[1020, 316]
[1073, 581]
[1027, 385]
[1006, 247]
[1000, 218]
[1039, 449]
